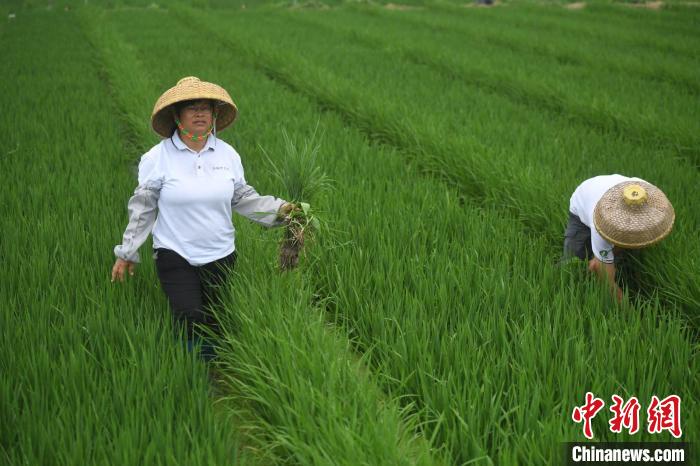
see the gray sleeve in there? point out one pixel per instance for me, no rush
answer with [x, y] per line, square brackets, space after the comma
[143, 208]
[260, 209]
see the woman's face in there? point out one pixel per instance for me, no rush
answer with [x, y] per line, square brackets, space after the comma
[197, 116]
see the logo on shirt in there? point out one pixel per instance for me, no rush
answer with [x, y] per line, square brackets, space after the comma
[220, 167]
[604, 253]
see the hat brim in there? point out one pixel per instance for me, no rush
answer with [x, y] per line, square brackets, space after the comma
[163, 121]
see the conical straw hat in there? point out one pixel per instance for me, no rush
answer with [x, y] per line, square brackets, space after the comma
[634, 214]
[191, 88]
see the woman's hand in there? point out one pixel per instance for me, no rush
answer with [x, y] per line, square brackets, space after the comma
[120, 268]
[286, 209]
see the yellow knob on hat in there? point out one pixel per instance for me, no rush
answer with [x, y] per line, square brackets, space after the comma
[634, 195]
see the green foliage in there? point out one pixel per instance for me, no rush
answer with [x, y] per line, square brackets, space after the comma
[298, 171]
[91, 372]
[512, 142]
[437, 328]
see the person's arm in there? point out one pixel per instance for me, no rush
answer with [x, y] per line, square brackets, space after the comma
[603, 263]
[606, 272]
[260, 209]
[143, 209]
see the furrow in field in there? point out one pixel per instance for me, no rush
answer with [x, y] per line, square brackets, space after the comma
[540, 84]
[487, 32]
[500, 124]
[616, 31]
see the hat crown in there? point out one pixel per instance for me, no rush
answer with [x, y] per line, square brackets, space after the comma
[187, 79]
[634, 194]
[634, 214]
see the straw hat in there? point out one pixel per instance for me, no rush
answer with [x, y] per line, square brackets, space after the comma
[634, 214]
[191, 88]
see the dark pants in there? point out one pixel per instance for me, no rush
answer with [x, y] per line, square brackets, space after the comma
[577, 239]
[192, 290]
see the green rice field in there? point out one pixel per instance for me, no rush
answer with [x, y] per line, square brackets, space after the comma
[432, 322]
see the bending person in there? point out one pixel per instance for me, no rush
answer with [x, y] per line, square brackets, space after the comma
[611, 213]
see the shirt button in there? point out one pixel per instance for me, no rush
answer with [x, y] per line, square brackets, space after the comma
[199, 166]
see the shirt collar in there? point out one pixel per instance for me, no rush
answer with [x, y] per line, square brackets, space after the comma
[180, 145]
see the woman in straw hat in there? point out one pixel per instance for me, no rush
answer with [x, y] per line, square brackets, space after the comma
[188, 186]
[611, 213]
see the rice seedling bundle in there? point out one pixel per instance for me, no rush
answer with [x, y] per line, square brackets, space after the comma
[303, 182]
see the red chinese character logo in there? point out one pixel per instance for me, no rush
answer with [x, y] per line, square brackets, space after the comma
[587, 412]
[626, 416]
[665, 415]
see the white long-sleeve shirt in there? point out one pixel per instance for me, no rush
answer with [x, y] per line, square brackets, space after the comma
[186, 199]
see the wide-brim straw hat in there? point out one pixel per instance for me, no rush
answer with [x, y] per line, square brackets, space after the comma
[633, 215]
[192, 88]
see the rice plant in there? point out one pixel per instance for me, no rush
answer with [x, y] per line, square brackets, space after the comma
[304, 183]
